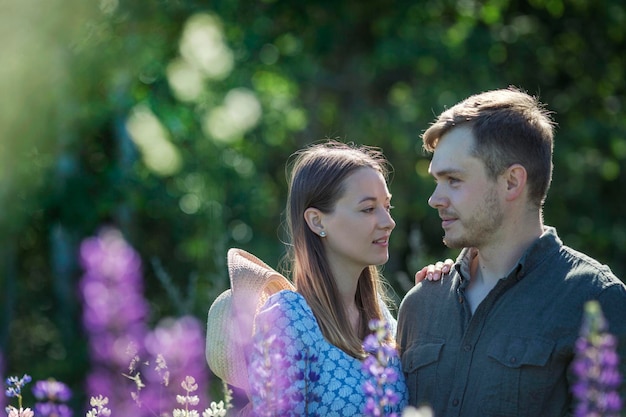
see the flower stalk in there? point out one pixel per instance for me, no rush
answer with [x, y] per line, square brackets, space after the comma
[379, 398]
[596, 367]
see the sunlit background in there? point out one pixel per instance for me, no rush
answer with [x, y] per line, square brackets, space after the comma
[171, 122]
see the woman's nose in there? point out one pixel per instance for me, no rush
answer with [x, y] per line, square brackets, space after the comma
[387, 222]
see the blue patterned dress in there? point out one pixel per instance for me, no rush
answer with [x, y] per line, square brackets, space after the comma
[295, 371]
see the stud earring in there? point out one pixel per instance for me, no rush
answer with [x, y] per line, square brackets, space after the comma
[323, 233]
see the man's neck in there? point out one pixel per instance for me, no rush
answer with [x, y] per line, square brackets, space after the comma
[494, 262]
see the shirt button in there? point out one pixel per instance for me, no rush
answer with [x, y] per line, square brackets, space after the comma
[455, 402]
[513, 359]
[467, 348]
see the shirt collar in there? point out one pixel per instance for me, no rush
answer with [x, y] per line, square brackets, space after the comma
[535, 254]
[463, 264]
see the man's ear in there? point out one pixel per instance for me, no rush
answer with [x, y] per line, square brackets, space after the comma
[314, 219]
[515, 177]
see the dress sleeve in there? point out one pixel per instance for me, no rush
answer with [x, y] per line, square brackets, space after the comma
[280, 358]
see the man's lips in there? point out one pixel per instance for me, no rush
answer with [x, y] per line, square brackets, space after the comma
[447, 221]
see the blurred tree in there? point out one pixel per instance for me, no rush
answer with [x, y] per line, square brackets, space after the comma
[173, 120]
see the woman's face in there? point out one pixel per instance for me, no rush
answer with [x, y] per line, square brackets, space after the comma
[358, 229]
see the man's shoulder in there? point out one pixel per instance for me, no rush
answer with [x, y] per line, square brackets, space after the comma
[583, 265]
[574, 265]
[443, 285]
[427, 292]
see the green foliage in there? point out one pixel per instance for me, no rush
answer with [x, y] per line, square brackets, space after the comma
[110, 117]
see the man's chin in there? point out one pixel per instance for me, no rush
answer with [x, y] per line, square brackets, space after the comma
[453, 243]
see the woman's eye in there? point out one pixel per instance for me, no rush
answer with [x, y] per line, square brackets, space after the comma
[368, 210]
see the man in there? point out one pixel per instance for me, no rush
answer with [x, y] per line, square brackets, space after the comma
[497, 337]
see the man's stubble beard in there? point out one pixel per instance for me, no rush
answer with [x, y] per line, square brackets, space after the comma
[482, 224]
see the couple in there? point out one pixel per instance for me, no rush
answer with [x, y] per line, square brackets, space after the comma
[495, 337]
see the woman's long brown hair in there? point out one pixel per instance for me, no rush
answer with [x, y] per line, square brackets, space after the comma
[317, 180]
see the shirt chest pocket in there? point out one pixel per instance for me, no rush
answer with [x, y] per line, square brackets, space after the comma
[420, 363]
[520, 375]
[516, 351]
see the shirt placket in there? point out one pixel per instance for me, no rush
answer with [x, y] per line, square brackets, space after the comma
[473, 326]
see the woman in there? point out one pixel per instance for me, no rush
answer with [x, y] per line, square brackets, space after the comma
[308, 352]
[298, 350]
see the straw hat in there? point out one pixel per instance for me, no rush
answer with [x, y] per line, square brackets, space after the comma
[230, 322]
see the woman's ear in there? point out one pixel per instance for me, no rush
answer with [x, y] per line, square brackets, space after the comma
[515, 177]
[314, 219]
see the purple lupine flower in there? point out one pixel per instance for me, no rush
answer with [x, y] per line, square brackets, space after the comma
[120, 342]
[50, 409]
[51, 390]
[178, 348]
[50, 395]
[14, 390]
[379, 398]
[596, 367]
[268, 377]
[114, 315]
[112, 289]
[15, 385]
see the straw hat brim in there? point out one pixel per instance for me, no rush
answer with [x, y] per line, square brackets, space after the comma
[230, 321]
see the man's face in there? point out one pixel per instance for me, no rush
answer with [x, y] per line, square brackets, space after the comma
[468, 202]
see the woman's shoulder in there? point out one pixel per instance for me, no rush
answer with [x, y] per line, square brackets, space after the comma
[287, 313]
[288, 304]
[287, 299]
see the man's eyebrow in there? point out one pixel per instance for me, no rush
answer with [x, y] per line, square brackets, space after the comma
[446, 172]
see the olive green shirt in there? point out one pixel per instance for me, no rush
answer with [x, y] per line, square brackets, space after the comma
[512, 356]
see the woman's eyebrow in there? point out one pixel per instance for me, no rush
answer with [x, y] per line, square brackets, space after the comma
[369, 198]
